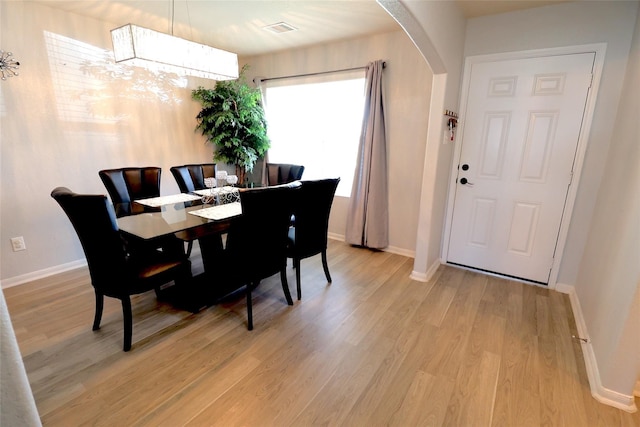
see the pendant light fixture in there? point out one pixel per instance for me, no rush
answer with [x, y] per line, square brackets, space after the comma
[147, 48]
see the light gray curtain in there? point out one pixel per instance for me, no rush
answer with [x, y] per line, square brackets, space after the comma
[368, 215]
[258, 81]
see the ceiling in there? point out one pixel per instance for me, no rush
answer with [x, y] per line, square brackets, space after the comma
[238, 25]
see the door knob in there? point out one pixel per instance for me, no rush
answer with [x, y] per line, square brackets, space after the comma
[465, 167]
[465, 181]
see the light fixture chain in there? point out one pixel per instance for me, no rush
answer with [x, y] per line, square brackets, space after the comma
[186, 2]
[173, 12]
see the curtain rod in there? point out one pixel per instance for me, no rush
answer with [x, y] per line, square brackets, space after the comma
[384, 64]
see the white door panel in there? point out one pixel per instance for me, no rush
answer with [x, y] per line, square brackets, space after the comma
[522, 124]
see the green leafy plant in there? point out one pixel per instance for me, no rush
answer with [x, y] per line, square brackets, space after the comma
[233, 120]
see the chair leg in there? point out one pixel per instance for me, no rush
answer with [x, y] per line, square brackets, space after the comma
[249, 308]
[285, 286]
[99, 306]
[296, 265]
[128, 323]
[325, 265]
[189, 247]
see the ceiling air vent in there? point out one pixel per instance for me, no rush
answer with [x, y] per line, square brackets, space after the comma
[280, 27]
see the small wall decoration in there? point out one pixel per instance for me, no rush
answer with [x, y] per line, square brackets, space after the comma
[452, 122]
[8, 65]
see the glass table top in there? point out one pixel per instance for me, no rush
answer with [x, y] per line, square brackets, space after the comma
[152, 222]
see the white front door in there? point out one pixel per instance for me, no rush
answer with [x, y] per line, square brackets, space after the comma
[521, 127]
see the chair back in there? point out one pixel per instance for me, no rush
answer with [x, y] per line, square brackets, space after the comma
[125, 185]
[311, 210]
[257, 240]
[191, 177]
[283, 173]
[94, 221]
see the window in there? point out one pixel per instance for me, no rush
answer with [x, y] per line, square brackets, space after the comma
[317, 124]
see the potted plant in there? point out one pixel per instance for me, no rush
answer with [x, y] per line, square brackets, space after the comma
[233, 120]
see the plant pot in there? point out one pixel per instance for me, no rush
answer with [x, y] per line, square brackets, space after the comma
[241, 173]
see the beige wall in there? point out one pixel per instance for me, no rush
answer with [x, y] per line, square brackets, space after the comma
[61, 123]
[609, 272]
[437, 28]
[407, 82]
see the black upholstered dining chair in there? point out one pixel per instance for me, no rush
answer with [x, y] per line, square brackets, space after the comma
[257, 241]
[114, 272]
[308, 236]
[125, 185]
[283, 173]
[191, 177]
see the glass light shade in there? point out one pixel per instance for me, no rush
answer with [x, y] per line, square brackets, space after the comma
[152, 49]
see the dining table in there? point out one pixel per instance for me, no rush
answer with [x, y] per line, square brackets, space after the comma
[184, 215]
[204, 215]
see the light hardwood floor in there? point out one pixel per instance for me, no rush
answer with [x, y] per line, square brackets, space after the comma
[373, 348]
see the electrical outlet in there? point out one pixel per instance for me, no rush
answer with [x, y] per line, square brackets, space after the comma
[18, 244]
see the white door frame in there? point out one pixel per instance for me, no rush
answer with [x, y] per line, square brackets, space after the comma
[599, 49]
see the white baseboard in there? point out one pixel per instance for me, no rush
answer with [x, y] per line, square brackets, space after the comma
[400, 251]
[598, 391]
[425, 277]
[40, 274]
[335, 236]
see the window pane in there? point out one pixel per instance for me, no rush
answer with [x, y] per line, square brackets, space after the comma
[317, 125]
